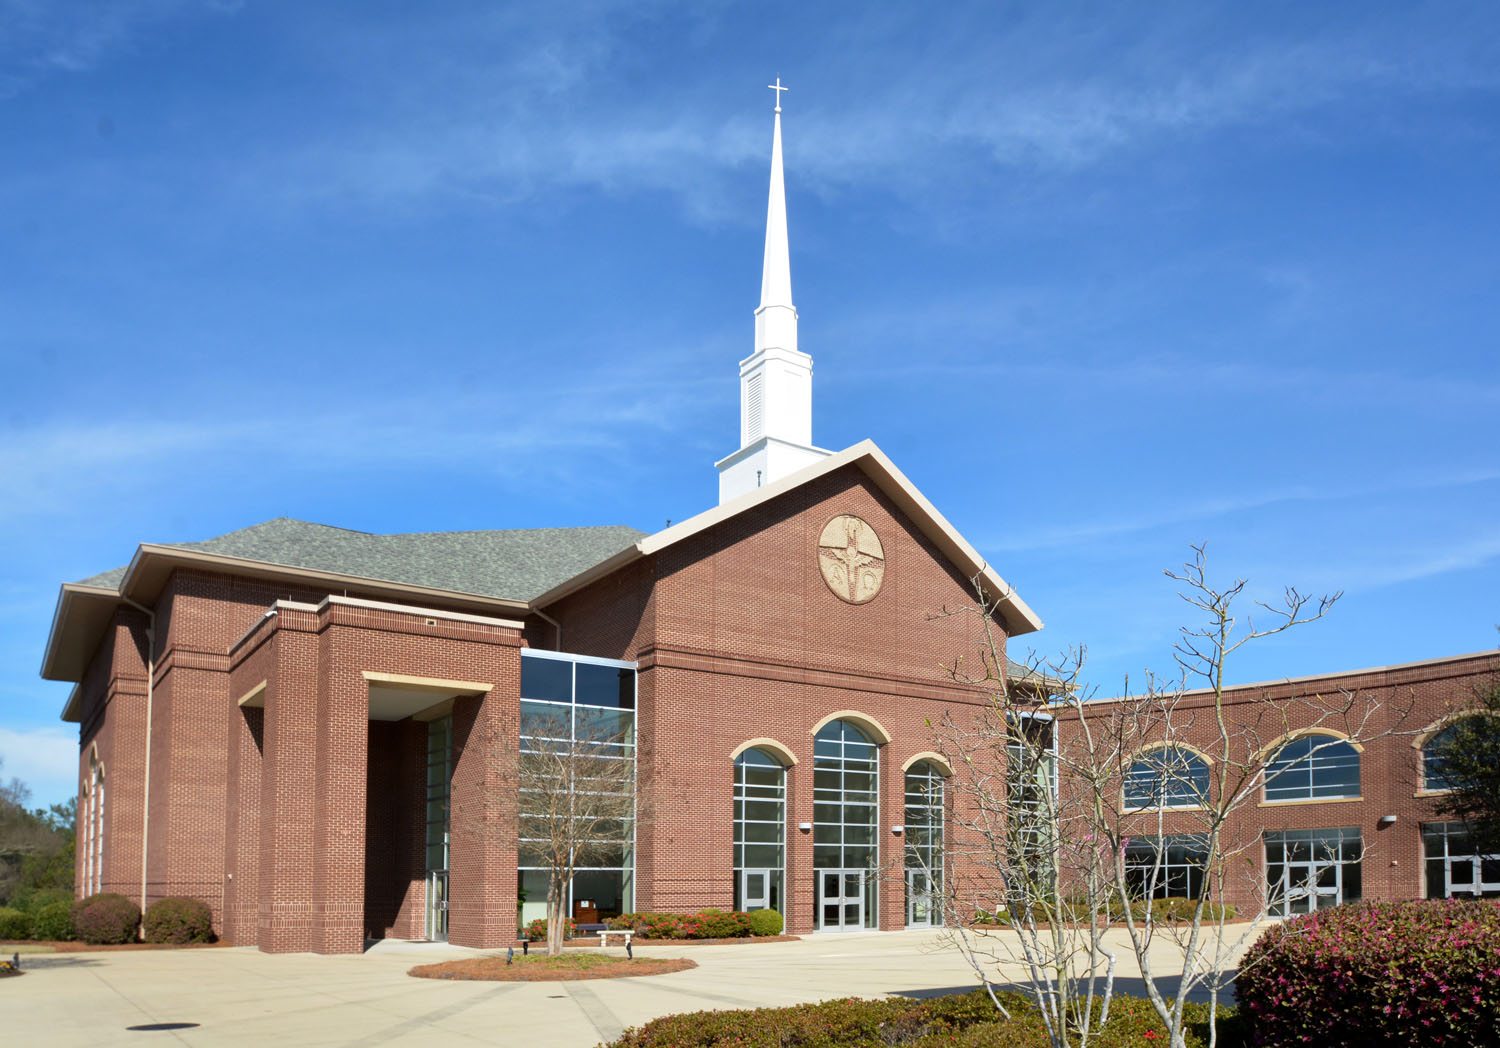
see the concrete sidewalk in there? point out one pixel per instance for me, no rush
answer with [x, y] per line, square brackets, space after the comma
[241, 996]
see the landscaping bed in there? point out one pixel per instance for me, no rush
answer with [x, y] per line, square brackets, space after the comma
[25, 946]
[541, 968]
[967, 1020]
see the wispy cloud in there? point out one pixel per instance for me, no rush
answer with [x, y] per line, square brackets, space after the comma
[40, 38]
[1083, 534]
[558, 104]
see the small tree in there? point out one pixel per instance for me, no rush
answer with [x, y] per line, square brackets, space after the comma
[576, 803]
[1058, 792]
[1469, 752]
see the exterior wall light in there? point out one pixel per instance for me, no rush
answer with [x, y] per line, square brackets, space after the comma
[805, 827]
[898, 830]
[1387, 820]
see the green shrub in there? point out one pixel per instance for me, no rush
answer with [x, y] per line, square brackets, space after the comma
[765, 922]
[967, 1020]
[1376, 973]
[536, 930]
[33, 899]
[52, 922]
[717, 924]
[179, 921]
[106, 919]
[14, 924]
[707, 924]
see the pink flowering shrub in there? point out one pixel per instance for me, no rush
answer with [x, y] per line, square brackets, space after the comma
[709, 924]
[1413, 973]
[536, 930]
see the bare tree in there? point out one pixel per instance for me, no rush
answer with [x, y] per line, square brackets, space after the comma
[576, 803]
[1071, 807]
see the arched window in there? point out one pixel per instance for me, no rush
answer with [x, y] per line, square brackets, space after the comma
[1436, 747]
[846, 851]
[759, 831]
[1167, 777]
[91, 828]
[1313, 767]
[924, 845]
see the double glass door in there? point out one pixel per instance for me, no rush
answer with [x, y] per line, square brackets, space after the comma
[1312, 886]
[841, 900]
[1477, 875]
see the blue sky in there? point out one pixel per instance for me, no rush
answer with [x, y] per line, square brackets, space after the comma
[1103, 280]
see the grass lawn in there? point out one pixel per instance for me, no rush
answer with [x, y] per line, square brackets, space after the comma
[572, 964]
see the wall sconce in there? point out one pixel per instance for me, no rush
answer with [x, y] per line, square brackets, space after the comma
[898, 830]
[1387, 820]
[805, 827]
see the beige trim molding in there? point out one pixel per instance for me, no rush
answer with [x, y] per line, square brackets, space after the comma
[411, 609]
[255, 698]
[1297, 733]
[405, 680]
[1308, 800]
[928, 755]
[864, 720]
[1195, 751]
[1445, 720]
[788, 758]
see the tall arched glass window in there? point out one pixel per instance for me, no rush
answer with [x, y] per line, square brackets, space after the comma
[1167, 777]
[1434, 759]
[846, 789]
[1313, 767]
[924, 845]
[759, 831]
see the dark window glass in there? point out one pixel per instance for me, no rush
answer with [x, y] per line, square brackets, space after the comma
[546, 679]
[612, 686]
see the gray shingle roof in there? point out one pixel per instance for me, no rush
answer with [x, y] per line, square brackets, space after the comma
[513, 565]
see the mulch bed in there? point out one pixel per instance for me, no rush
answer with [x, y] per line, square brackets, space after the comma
[566, 968]
[742, 940]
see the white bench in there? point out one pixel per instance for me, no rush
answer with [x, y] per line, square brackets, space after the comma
[605, 933]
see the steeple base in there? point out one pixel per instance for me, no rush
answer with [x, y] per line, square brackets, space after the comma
[763, 462]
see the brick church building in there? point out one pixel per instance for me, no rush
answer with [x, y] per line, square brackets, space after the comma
[299, 724]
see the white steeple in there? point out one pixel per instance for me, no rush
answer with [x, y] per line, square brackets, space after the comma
[776, 379]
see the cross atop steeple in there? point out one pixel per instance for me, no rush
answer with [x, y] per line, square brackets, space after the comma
[778, 89]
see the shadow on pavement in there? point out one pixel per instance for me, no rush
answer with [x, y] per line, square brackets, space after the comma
[31, 962]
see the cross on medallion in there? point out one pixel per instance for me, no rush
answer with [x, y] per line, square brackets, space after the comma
[778, 89]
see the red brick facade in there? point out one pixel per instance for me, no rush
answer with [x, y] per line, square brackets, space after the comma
[278, 800]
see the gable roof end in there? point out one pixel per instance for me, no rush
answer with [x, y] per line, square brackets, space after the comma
[1018, 616]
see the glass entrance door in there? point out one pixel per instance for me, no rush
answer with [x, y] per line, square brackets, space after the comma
[1477, 875]
[437, 905]
[755, 889]
[841, 900]
[1312, 886]
[919, 899]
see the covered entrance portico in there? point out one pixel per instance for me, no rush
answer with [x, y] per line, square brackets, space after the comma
[373, 796]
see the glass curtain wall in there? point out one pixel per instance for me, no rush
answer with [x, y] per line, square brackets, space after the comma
[1170, 867]
[846, 789]
[759, 831]
[924, 845]
[1031, 783]
[584, 706]
[439, 794]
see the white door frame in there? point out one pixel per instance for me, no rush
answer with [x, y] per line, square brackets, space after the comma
[436, 916]
[914, 895]
[761, 901]
[842, 899]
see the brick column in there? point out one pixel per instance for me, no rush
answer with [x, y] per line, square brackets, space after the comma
[288, 839]
[482, 852]
[242, 828]
[339, 801]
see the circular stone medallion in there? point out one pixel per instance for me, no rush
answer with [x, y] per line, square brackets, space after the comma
[852, 559]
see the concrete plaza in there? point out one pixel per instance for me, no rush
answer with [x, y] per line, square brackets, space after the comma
[242, 996]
